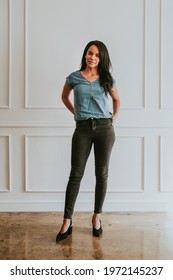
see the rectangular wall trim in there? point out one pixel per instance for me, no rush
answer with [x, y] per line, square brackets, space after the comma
[5, 163]
[5, 13]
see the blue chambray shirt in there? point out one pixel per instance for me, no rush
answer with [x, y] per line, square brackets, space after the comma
[90, 100]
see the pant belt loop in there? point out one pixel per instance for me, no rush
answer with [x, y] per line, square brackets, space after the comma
[94, 124]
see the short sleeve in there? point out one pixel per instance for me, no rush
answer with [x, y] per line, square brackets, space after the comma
[69, 80]
[114, 83]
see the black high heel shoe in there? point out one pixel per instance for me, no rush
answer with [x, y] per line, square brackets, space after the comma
[62, 236]
[98, 232]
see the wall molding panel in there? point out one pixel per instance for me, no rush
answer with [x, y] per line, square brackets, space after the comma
[5, 54]
[166, 55]
[166, 163]
[128, 155]
[135, 39]
[5, 163]
[38, 91]
[45, 162]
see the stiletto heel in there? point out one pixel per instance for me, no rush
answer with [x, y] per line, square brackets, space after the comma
[70, 230]
[98, 232]
[62, 236]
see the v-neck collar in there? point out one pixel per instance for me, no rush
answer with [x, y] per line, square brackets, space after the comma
[87, 79]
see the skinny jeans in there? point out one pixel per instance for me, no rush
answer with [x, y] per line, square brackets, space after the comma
[100, 134]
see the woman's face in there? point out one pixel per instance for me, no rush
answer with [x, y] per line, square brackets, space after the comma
[92, 57]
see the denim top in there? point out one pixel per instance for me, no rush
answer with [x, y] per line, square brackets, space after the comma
[90, 99]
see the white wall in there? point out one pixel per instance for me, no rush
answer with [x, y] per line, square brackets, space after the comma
[42, 41]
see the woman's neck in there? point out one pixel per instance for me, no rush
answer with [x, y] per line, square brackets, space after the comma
[90, 71]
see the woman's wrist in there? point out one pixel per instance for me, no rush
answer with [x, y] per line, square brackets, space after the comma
[115, 115]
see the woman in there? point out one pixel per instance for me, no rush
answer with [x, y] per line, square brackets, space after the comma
[94, 126]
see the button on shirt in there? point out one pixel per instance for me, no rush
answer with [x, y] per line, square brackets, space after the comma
[90, 99]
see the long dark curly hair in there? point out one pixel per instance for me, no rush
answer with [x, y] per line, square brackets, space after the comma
[104, 66]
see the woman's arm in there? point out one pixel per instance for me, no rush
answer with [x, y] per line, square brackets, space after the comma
[116, 103]
[66, 97]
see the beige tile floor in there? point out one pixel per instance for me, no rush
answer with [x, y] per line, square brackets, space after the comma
[126, 236]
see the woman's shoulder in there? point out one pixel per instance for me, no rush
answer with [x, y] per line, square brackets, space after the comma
[74, 74]
[73, 78]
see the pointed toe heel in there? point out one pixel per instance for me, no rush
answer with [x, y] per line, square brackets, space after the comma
[70, 230]
[62, 236]
[98, 232]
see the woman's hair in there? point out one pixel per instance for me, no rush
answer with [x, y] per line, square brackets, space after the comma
[104, 66]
